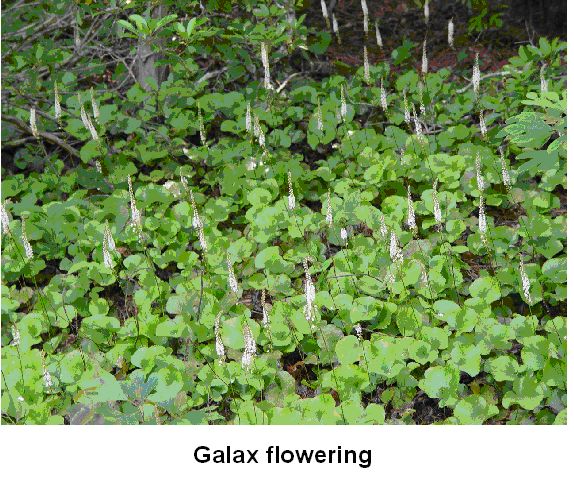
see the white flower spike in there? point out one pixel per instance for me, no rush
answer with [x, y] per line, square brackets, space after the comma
[219, 347]
[343, 104]
[411, 220]
[248, 117]
[291, 198]
[329, 215]
[57, 104]
[425, 62]
[366, 69]
[505, 173]
[265, 61]
[250, 349]
[479, 178]
[482, 226]
[384, 104]
[476, 75]
[231, 276]
[325, 13]
[309, 295]
[395, 249]
[482, 123]
[378, 35]
[525, 282]
[365, 16]
[95, 108]
[384, 229]
[135, 220]
[33, 126]
[5, 220]
[26, 243]
[436, 204]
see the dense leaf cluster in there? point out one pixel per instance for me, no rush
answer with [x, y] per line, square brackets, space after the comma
[358, 316]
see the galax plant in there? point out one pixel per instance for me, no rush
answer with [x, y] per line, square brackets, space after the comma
[257, 245]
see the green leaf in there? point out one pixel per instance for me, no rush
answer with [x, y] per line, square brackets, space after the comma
[526, 392]
[348, 350]
[364, 309]
[466, 358]
[145, 358]
[555, 270]
[440, 382]
[101, 388]
[503, 368]
[486, 288]
[409, 320]
[474, 410]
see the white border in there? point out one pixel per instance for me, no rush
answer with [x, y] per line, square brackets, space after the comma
[425, 455]
[402, 455]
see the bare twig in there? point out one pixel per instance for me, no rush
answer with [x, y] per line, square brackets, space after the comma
[486, 76]
[50, 137]
[284, 83]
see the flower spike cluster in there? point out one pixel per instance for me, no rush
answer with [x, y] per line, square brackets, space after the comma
[202, 135]
[384, 104]
[196, 221]
[366, 67]
[479, 178]
[378, 35]
[329, 214]
[504, 170]
[5, 219]
[365, 16]
[425, 62]
[525, 282]
[395, 248]
[411, 219]
[219, 348]
[476, 75]
[250, 348]
[95, 107]
[46, 374]
[343, 104]
[325, 13]
[87, 121]
[450, 36]
[248, 126]
[108, 246]
[15, 335]
[265, 62]
[33, 126]
[436, 205]
[135, 220]
[384, 229]
[336, 29]
[482, 124]
[57, 105]
[231, 276]
[482, 226]
[26, 243]
[309, 295]
[291, 198]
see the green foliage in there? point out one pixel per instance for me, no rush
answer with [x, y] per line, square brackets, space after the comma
[131, 338]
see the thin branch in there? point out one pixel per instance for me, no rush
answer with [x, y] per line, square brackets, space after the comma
[486, 76]
[51, 137]
[284, 83]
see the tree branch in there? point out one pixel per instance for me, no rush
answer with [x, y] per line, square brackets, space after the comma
[51, 137]
[486, 76]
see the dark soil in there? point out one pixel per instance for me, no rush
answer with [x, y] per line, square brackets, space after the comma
[523, 21]
[427, 410]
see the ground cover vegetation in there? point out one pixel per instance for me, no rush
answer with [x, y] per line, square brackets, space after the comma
[206, 219]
